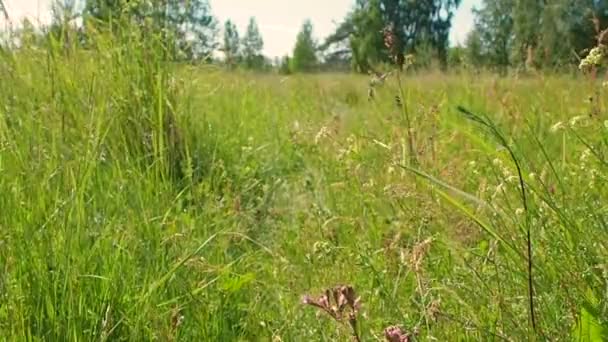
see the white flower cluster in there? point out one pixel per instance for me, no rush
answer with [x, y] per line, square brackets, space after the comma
[351, 147]
[322, 134]
[509, 177]
[586, 167]
[557, 127]
[594, 58]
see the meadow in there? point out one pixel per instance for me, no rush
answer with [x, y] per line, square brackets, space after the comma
[142, 200]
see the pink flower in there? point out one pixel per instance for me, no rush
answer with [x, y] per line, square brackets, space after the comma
[395, 334]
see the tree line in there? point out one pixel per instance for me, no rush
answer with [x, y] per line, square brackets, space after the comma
[530, 34]
[534, 34]
[507, 34]
[189, 30]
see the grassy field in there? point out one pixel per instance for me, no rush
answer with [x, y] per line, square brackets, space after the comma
[141, 201]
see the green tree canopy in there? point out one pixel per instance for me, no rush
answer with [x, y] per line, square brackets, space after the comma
[304, 53]
[475, 55]
[416, 24]
[491, 41]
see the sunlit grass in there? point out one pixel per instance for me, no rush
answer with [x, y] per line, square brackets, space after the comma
[140, 201]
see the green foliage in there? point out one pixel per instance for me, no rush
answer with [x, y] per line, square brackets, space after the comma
[366, 40]
[474, 49]
[456, 57]
[591, 326]
[416, 23]
[103, 10]
[422, 22]
[536, 34]
[568, 30]
[305, 51]
[253, 44]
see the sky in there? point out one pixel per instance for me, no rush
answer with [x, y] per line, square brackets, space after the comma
[279, 20]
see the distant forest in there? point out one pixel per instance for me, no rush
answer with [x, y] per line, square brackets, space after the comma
[508, 34]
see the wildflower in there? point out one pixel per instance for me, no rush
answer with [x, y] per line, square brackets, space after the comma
[410, 59]
[381, 144]
[351, 140]
[378, 78]
[500, 188]
[106, 322]
[593, 59]
[418, 253]
[176, 320]
[398, 101]
[556, 127]
[391, 41]
[434, 309]
[395, 334]
[344, 297]
[323, 133]
[519, 211]
[369, 184]
[575, 120]
[585, 155]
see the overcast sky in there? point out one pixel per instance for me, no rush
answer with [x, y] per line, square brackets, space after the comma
[279, 20]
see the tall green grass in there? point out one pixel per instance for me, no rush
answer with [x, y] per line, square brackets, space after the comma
[144, 200]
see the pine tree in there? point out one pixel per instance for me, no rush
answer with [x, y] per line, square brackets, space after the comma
[232, 43]
[304, 52]
[253, 44]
